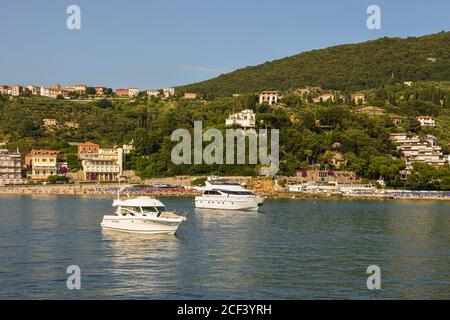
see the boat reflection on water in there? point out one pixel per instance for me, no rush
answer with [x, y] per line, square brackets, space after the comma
[141, 265]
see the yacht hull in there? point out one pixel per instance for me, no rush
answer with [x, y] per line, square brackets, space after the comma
[228, 203]
[141, 225]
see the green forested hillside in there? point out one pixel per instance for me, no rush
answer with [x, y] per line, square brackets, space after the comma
[344, 67]
[362, 138]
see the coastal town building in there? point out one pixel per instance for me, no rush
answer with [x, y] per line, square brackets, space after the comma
[87, 147]
[414, 149]
[17, 90]
[130, 93]
[190, 96]
[133, 92]
[328, 97]
[122, 92]
[245, 119]
[127, 148]
[78, 88]
[104, 165]
[10, 167]
[100, 91]
[359, 98]
[42, 164]
[168, 92]
[153, 93]
[5, 89]
[34, 90]
[54, 92]
[426, 121]
[269, 97]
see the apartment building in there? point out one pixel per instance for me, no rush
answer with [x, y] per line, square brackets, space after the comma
[10, 167]
[414, 149]
[270, 97]
[42, 164]
[245, 119]
[17, 90]
[104, 165]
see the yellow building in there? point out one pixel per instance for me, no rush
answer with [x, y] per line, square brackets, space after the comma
[42, 164]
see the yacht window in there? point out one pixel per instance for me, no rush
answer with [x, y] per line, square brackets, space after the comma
[239, 193]
[212, 193]
[149, 209]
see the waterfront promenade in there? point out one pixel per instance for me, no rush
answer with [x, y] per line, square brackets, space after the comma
[133, 190]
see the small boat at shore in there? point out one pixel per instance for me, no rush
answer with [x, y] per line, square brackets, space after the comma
[142, 215]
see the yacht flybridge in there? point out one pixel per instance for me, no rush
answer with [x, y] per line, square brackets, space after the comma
[227, 196]
[142, 215]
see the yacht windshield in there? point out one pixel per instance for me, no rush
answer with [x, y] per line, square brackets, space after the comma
[239, 193]
[152, 209]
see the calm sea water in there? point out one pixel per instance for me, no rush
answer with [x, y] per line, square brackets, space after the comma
[294, 249]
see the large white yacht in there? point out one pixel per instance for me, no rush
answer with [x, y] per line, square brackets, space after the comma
[227, 196]
[142, 215]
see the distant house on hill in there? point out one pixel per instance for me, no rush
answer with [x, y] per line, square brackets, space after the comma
[168, 92]
[153, 93]
[359, 98]
[190, 96]
[122, 92]
[245, 119]
[324, 98]
[269, 97]
[426, 121]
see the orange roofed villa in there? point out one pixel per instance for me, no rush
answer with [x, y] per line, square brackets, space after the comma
[426, 121]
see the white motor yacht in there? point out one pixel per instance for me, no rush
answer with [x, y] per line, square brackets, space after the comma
[227, 196]
[142, 215]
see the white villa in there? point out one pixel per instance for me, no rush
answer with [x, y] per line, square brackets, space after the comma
[245, 119]
[426, 121]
